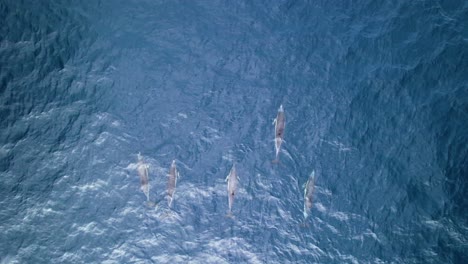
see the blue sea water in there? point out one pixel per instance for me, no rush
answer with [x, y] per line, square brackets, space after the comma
[376, 101]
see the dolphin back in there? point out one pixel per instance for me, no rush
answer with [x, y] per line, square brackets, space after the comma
[308, 194]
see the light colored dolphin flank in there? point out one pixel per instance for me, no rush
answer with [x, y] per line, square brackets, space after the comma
[232, 181]
[172, 182]
[142, 169]
[309, 187]
[280, 123]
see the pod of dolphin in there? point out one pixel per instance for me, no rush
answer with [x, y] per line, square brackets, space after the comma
[232, 179]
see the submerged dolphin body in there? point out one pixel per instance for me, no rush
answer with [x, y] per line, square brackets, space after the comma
[309, 187]
[172, 182]
[142, 169]
[232, 181]
[280, 123]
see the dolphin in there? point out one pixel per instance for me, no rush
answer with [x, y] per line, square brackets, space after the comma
[279, 122]
[232, 181]
[172, 182]
[142, 169]
[309, 187]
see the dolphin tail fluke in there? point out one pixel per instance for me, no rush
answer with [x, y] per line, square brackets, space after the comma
[170, 200]
[151, 204]
[230, 215]
[276, 160]
[166, 215]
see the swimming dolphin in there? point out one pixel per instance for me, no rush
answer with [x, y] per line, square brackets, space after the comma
[309, 187]
[142, 169]
[279, 122]
[232, 181]
[171, 184]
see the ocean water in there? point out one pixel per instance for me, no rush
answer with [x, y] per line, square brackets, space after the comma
[376, 101]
